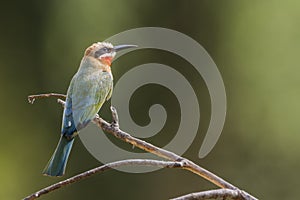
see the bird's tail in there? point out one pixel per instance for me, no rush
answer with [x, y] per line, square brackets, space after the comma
[57, 164]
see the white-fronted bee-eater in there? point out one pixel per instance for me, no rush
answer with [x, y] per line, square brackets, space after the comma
[90, 87]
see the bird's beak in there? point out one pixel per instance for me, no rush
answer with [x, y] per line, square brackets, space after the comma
[124, 46]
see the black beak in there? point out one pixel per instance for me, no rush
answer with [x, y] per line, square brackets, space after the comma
[124, 46]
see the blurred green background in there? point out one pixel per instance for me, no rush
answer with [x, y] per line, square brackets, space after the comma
[255, 44]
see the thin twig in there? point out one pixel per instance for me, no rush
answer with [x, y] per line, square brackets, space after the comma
[84, 175]
[113, 128]
[32, 98]
[61, 102]
[214, 194]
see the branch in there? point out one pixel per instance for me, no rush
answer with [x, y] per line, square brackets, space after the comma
[84, 175]
[113, 128]
[32, 98]
[188, 165]
[214, 194]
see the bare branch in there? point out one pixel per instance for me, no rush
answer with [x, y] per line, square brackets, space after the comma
[188, 165]
[84, 175]
[32, 98]
[113, 128]
[215, 194]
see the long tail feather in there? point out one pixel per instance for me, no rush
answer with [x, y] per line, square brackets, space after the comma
[57, 164]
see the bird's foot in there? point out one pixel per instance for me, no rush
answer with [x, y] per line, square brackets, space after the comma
[115, 117]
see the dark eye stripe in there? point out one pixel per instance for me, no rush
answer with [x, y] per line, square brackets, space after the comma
[102, 51]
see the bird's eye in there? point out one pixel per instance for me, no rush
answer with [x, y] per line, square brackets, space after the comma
[102, 51]
[105, 49]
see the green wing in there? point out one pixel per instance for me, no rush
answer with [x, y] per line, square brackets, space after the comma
[88, 95]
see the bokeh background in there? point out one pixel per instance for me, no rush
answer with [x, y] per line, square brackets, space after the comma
[255, 45]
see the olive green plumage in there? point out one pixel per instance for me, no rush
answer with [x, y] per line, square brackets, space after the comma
[90, 87]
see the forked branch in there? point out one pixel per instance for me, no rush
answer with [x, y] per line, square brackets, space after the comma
[178, 161]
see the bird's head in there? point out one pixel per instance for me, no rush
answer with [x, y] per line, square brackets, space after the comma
[104, 51]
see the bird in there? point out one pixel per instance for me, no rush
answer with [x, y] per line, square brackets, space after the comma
[89, 88]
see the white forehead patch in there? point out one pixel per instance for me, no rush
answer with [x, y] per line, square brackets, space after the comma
[106, 44]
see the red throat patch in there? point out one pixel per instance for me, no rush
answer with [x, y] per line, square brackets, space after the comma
[106, 60]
